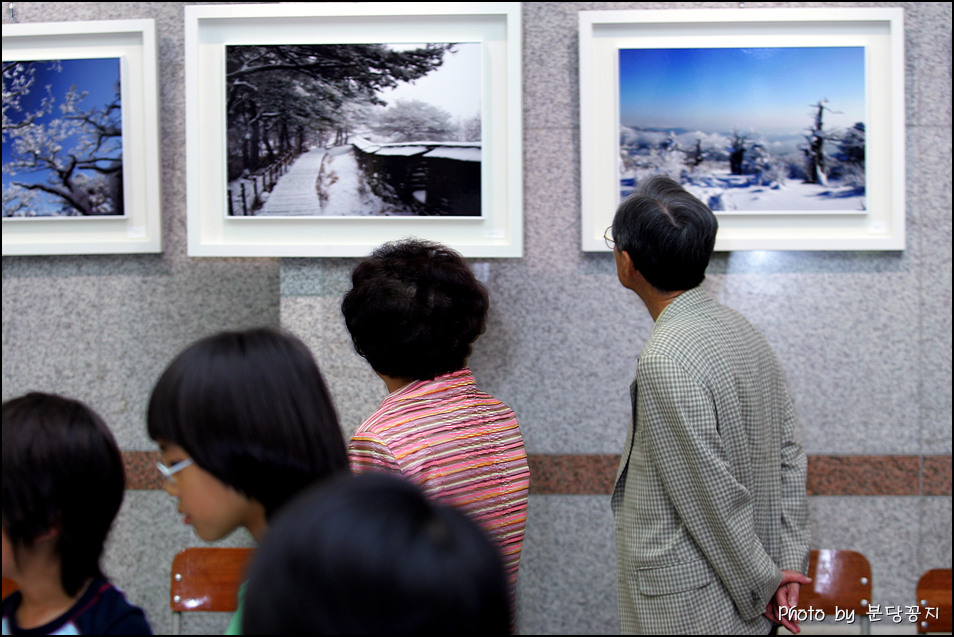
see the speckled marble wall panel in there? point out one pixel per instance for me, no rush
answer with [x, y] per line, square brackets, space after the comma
[933, 226]
[551, 195]
[550, 65]
[56, 320]
[329, 278]
[355, 388]
[851, 366]
[567, 580]
[929, 44]
[562, 366]
[934, 544]
[145, 537]
[108, 326]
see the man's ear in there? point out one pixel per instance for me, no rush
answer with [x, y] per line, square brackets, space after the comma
[626, 270]
[626, 259]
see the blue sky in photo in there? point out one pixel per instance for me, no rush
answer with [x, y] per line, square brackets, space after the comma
[716, 90]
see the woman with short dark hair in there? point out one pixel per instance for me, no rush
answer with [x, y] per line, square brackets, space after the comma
[414, 311]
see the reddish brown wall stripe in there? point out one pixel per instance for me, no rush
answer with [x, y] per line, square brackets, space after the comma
[141, 472]
[864, 475]
[593, 474]
[573, 475]
[827, 475]
[936, 475]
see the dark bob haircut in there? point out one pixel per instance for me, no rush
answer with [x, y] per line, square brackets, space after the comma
[667, 232]
[372, 555]
[414, 310]
[252, 409]
[62, 471]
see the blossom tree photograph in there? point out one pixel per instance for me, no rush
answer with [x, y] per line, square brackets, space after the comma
[62, 138]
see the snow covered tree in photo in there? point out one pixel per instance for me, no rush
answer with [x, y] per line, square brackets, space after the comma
[414, 120]
[471, 129]
[848, 162]
[738, 144]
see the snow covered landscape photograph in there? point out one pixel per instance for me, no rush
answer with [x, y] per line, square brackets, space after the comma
[747, 129]
[354, 130]
[62, 138]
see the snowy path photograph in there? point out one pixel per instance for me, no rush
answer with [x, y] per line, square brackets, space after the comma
[354, 130]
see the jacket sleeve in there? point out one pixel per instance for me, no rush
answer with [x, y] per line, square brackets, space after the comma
[684, 444]
[796, 532]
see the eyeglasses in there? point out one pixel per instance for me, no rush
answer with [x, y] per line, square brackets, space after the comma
[169, 472]
[608, 238]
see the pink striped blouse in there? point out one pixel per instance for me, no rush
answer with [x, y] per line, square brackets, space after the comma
[461, 446]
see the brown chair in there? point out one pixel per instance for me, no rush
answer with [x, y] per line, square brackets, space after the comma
[206, 579]
[8, 587]
[840, 579]
[934, 592]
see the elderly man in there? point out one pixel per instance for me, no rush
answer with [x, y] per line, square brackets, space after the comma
[710, 505]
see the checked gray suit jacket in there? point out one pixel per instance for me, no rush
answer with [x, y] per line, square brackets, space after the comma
[710, 499]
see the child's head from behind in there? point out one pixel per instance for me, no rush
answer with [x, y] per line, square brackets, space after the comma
[63, 483]
[252, 411]
[372, 554]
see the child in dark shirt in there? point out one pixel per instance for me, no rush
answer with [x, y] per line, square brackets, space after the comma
[63, 483]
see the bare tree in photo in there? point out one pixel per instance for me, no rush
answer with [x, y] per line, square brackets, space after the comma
[815, 157]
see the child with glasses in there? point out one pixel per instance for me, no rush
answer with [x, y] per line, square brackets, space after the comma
[63, 483]
[244, 423]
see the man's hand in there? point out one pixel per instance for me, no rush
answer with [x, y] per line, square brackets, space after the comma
[786, 596]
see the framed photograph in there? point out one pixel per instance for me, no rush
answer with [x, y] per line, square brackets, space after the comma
[788, 123]
[326, 129]
[80, 138]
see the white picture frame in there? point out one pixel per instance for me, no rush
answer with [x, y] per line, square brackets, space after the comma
[880, 226]
[139, 229]
[209, 29]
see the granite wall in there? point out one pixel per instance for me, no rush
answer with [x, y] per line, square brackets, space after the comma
[864, 337]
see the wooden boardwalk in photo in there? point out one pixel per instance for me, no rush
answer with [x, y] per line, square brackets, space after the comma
[295, 193]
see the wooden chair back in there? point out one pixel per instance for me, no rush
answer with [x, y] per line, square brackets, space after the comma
[8, 587]
[934, 600]
[206, 579]
[841, 580]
